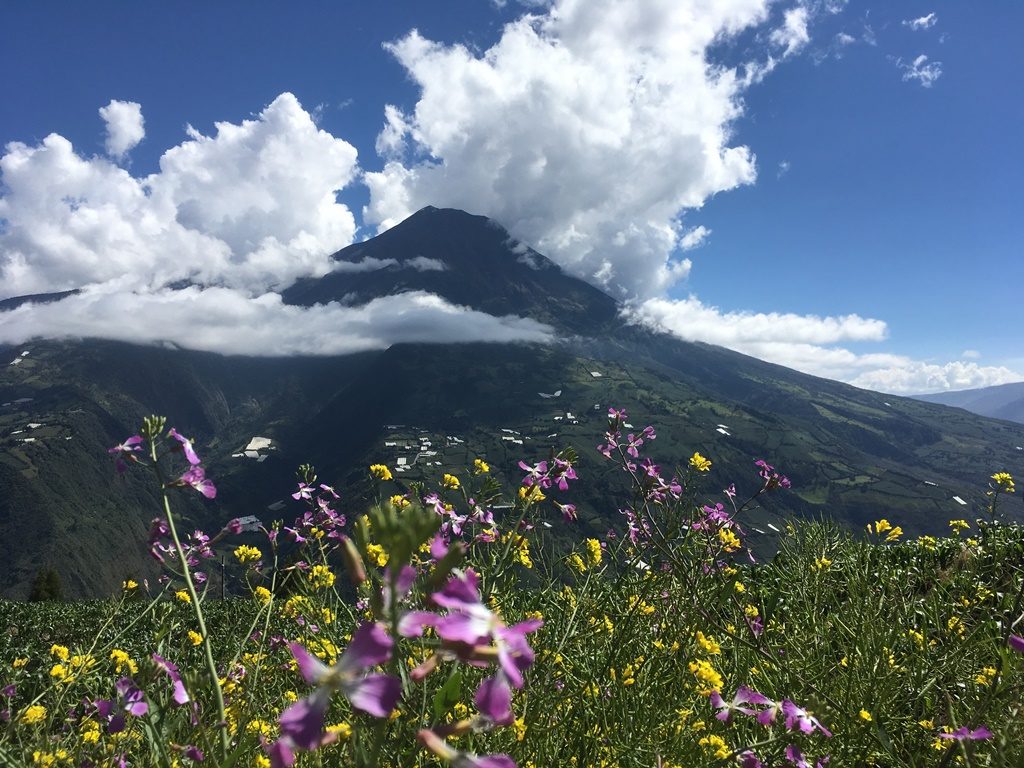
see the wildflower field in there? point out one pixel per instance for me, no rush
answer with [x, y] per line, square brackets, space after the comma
[426, 631]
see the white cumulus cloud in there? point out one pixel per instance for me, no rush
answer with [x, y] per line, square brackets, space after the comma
[125, 127]
[252, 206]
[585, 130]
[813, 344]
[793, 34]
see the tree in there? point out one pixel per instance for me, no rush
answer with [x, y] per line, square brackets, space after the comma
[46, 586]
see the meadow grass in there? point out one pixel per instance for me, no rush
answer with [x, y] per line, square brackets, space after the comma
[662, 644]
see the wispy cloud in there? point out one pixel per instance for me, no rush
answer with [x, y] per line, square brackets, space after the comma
[923, 22]
[920, 70]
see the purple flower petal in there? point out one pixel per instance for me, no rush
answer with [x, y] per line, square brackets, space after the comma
[1017, 643]
[280, 753]
[494, 699]
[310, 667]
[411, 624]
[186, 447]
[302, 724]
[369, 647]
[374, 694]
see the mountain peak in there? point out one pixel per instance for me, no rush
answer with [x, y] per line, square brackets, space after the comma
[467, 259]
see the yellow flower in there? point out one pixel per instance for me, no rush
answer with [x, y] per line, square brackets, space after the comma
[894, 534]
[576, 562]
[183, 596]
[740, 587]
[928, 725]
[261, 761]
[928, 543]
[450, 481]
[375, 554]
[520, 728]
[751, 612]
[380, 472]
[917, 637]
[90, 732]
[730, 541]
[321, 577]
[60, 651]
[880, 527]
[959, 526]
[716, 745]
[985, 676]
[699, 463]
[708, 644]
[822, 563]
[129, 585]
[399, 502]
[262, 594]
[194, 637]
[34, 714]
[247, 554]
[865, 716]
[481, 467]
[531, 493]
[122, 661]
[1003, 481]
[594, 552]
[343, 731]
[706, 674]
[19, 663]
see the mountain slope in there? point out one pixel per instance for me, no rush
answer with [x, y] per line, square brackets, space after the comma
[852, 454]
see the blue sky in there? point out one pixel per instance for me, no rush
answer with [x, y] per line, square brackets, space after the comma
[870, 231]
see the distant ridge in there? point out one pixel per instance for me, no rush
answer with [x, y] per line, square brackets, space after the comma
[1004, 401]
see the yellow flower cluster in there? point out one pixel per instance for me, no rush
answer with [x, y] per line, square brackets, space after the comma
[708, 644]
[451, 482]
[375, 554]
[247, 554]
[520, 549]
[1003, 481]
[122, 661]
[531, 494]
[593, 552]
[985, 676]
[699, 463]
[884, 526]
[481, 467]
[380, 472]
[399, 502]
[822, 563]
[730, 541]
[321, 577]
[183, 596]
[715, 745]
[707, 675]
[34, 714]
[129, 584]
[262, 594]
[959, 526]
[195, 638]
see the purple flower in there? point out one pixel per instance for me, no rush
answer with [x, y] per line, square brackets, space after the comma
[963, 734]
[180, 694]
[305, 491]
[471, 623]
[442, 749]
[8, 690]
[795, 757]
[1017, 643]
[800, 719]
[749, 760]
[536, 475]
[130, 700]
[125, 451]
[302, 724]
[772, 479]
[185, 446]
[195, 476]
[744, 695]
